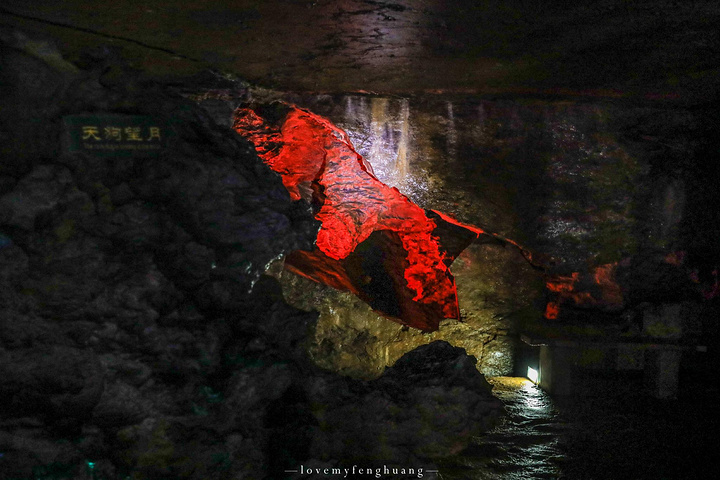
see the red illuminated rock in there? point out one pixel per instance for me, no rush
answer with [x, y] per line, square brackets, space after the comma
[373, 241]
[597, 289]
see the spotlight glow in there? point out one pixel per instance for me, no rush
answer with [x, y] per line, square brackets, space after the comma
[532, 374]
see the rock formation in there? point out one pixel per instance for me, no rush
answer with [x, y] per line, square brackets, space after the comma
[373, 241]
[138, 335]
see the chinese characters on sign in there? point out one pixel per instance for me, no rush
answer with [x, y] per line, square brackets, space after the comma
[91, 133]
[118, 135]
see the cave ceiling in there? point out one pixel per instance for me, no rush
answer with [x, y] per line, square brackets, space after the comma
[611, 48]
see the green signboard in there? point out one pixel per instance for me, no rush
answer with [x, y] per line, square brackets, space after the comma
[115, 134]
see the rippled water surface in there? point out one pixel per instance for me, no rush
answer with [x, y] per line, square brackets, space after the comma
[622, 435]
[524, 445]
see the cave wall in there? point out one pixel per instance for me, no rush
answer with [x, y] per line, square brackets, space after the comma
[139, 336]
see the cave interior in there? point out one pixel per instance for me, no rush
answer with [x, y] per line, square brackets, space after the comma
[283, 239]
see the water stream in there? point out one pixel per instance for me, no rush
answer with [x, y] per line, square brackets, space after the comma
[524, 445]
[620, 434]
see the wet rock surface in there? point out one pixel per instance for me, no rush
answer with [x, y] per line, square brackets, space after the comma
[383, 419]
[352, 339]
[608, 48]
[372, 240]
[138, 336]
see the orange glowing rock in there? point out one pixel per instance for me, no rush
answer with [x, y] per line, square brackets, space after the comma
[599, 288]
[562, 284]
[604, 277]
[552, 310]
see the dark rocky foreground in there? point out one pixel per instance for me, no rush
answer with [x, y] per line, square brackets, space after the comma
[139, 337]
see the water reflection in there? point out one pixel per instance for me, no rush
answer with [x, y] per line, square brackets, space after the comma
[524, 445]
[619, 434]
